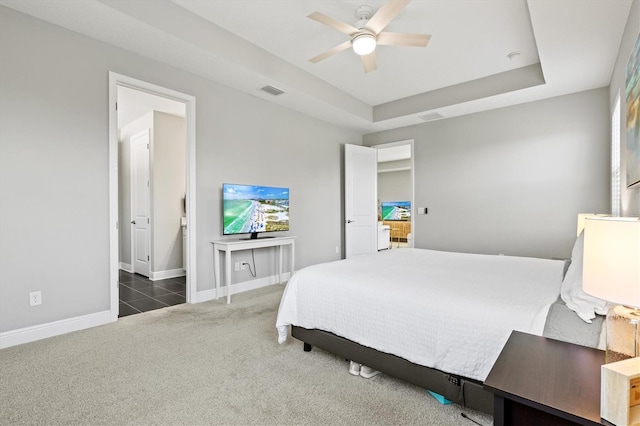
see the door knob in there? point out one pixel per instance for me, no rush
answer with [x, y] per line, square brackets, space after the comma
[349, 220]
[133, 222]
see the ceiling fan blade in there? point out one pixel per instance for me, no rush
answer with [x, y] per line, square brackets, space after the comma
[402, 39]
[333, 23]
[369, 62]
[385, 14]
[330, 52]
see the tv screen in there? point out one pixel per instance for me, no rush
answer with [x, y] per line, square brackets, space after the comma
[251, 209]
[396, 210]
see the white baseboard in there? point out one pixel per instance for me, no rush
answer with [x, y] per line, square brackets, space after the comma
[153, 276]
[56, 328]
[206, 295]
[170, 273]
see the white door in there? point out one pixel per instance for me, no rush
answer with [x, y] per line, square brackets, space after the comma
[361, 219]
[140, 203]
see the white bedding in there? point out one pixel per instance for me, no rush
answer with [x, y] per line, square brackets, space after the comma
[449, 311]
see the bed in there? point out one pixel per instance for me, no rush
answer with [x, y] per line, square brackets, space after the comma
[435, 319]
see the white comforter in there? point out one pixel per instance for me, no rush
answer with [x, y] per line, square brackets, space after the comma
[449, 311]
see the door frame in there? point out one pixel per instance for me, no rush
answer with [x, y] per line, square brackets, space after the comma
[116, 80]
[413, 182]
[132, 182]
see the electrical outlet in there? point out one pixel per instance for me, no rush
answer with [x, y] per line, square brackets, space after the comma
[35, 298]
[244, 265]
[237, 266]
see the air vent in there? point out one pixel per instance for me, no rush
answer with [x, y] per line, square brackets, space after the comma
[431, 116]
[272, 90]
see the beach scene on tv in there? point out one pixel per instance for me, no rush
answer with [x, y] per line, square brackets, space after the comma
[396, 210]
[249, 208]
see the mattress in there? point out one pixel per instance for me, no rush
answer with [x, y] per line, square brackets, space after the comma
[449, 311]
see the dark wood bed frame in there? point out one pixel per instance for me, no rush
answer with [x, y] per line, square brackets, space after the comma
[466, 392]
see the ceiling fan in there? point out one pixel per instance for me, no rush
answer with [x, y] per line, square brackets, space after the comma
[367, 33]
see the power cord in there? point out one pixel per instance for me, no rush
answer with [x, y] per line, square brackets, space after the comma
[470, 419]
[251, 271]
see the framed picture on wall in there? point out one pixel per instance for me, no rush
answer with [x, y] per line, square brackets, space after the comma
[632, 94]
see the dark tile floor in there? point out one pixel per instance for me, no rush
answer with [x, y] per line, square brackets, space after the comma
[140, 294]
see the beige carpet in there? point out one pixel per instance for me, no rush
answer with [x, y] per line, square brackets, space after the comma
[208, 363]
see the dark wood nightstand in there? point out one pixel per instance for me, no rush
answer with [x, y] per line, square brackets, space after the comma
[538, 381]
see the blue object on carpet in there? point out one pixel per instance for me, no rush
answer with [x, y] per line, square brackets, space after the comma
[441, 399]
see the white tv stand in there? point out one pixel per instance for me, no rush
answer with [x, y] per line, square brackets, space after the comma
[229, 246]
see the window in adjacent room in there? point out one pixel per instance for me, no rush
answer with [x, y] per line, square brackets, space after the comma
[615, 159]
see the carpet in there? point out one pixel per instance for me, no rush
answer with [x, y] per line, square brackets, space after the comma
[207, 363]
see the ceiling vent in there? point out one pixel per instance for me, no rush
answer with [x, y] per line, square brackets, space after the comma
[431, 116]
[272, 90]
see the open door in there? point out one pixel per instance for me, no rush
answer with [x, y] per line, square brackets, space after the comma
[361, 219]
[140, 204]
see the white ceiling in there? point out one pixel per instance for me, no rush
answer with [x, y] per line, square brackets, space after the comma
[565, 46]
[472, 45]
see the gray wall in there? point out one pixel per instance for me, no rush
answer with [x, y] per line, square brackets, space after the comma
[394, 186]
[630, 196]
[168, 186]
[510, 180]
[54, 177]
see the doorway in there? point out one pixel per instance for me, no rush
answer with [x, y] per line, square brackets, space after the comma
[396, 194]
[129, 98]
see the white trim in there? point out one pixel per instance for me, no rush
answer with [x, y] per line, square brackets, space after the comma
[116, 80]
[206, 295]
[616, 178]
[169, 273]
[254, 284]
[191, 199]
[114, 237]
[397, 169]
[56, 328]
[125, 267]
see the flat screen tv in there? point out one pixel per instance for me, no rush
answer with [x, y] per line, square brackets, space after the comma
[253, 209]
[396, 210]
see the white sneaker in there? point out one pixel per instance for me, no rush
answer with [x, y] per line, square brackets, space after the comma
[368, 372]
[354, 368]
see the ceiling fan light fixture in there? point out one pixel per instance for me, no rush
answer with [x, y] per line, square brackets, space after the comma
[364, 43]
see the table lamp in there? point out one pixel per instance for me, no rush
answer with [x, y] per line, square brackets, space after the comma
[611, 272]
[583, 216]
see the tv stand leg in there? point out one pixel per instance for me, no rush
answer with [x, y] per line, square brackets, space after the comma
[307, 347]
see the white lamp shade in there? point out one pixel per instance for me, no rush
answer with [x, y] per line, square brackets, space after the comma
[611, 269]
[583, 216]
[364, 43]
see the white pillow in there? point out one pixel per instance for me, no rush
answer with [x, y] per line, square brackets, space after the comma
[583, 304]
